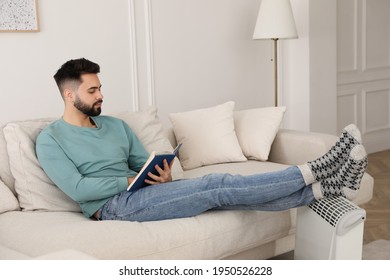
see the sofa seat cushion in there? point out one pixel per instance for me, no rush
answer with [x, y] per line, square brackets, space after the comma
[211, 235]
[249, 167]
[10, 254]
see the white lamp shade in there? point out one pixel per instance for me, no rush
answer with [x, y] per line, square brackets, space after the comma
[275, 20]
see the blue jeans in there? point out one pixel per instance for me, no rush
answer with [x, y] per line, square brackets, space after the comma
[274, 191]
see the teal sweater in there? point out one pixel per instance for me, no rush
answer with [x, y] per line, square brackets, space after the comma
[90, 165]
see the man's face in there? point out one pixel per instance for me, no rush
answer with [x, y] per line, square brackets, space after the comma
[88, 97]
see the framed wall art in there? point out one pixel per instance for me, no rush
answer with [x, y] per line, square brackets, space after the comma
[19, 16]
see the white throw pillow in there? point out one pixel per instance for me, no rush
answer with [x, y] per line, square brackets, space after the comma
[5, 169]
[149, 130]
[207, 135]
[8, 201]
[35, 190]
[256, 130]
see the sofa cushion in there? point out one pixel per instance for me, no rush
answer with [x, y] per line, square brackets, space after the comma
[256, 130]
[8, 201]
[35, 190]
[5, 171]
[207, 135]
[249, 167]
[10, 254]
[211, 235]
[149, 130]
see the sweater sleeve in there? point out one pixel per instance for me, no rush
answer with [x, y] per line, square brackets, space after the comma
[66, 176]
[137, 153]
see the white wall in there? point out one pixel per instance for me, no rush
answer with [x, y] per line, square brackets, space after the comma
[69, 29]
[363, 95]
[176, 54]
[323, 66]
[309, 68]
[295, 71]
[199, 53]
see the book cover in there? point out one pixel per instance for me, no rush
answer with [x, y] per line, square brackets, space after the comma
[149, 166]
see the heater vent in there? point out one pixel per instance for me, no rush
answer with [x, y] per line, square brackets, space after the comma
[332, 209]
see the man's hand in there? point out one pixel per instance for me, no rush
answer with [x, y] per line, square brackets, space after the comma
[130, 180]
[164, 176]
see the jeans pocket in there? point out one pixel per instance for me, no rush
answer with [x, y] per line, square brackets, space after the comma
[110, 208]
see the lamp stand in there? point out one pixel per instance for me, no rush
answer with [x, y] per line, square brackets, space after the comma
[276, 69]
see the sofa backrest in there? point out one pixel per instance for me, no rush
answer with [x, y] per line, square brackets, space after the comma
[170, 135]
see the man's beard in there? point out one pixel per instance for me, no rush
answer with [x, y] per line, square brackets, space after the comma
[88, 110]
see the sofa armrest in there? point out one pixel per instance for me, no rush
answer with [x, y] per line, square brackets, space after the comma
[294, 147]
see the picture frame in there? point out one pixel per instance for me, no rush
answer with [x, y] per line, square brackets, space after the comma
[19, 16]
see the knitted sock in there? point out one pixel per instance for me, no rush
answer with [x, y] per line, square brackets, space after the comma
[346, 181]
[328, 164]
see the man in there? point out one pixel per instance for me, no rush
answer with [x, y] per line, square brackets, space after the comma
[93, 159]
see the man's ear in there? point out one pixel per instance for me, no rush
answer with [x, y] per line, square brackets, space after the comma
[68, 95]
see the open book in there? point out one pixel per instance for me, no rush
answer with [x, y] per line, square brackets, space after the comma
[149, 166]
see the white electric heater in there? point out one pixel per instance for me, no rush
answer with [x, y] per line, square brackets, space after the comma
[329, 229]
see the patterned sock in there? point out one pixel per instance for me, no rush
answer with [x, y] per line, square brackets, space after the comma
[328, 164]
[346, 181]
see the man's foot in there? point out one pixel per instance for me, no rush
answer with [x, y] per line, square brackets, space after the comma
[346, 181]
[328, 164]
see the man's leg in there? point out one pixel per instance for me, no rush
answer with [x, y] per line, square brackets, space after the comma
[300, 198]
[187, 198]
[268, 191]
[345, 182]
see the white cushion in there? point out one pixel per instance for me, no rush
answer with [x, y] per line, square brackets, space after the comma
[249, 167]
[5, 169]
[207, 135]
[8, 201]
[256, 130]
[35, 190]
[211, 235]
[149, 130]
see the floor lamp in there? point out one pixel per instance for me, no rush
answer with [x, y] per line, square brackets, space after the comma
[275, 21]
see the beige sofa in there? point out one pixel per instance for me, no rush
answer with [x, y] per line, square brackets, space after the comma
[38, 221]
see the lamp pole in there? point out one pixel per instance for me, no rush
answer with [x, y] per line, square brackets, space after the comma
[276, 69]
[275, 21]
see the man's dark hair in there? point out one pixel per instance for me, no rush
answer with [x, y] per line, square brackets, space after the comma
[72, 70]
